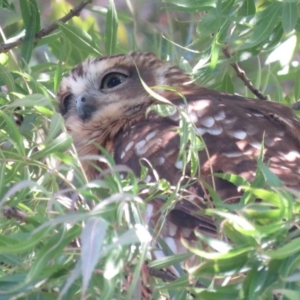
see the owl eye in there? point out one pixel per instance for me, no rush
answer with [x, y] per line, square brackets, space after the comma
[66, 104]
[111, 80]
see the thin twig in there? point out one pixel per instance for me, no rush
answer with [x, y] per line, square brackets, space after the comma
[14, 213]
[167, 276]
[242, 75]
[46, 31]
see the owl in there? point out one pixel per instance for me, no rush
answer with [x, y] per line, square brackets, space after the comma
[113, 102]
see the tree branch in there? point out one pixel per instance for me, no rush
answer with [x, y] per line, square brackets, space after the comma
[46, 31]
[242, 75]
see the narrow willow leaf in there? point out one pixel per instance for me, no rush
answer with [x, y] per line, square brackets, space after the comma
[209, 24]
[31, 19]
[52, 248]
[76, 272]
[226, 7]
[192, 4]
[271, 178]
[92, 238]
[181, 282]
[222, 265]
[217, 293]
[167, 261]
[266, 195]
[79, 38]
[60, 144]
[287, 250]
[247, 8]
[56, 125]
[15, 134]
[8, 80]
[58, 71]
[235, 179]
[111, 29]
[297, 85]
[32, 100]
[289, 294]
[268, 21]
[227, 85]
[19, 246]
[289, 15]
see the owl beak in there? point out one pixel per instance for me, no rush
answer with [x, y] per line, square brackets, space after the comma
[85, 106]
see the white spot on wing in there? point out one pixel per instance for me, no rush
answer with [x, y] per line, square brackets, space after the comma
[201, 130]
[238, 134]
[139, 147]
[129, 145]
[202, 104]
[159, 161]
[290, 156]
[258, 115]
[150, 135]
[220, 116]
[215, 131]
[229, 120]
[122, 154]
[186, 232]
[178, 164]
[256, 145]
[233, 154]
[170, 152]
[172, 228]
[193, 117]
[207, 121]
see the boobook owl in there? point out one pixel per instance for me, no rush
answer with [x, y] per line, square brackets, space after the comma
[105, 101]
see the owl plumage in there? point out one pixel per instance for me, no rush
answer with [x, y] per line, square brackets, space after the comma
[105, 102]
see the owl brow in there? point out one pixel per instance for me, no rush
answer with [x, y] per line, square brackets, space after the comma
[120, 68]
[108, 57]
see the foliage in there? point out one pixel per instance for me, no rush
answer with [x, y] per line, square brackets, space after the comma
[41, 176]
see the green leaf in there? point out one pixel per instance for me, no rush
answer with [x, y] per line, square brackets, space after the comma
[226, 7]
[8, 80]
[60, 144]
[92, 238]
[9, 245]
[192, 5]
[79, 38]
[4, 4]
[270, 177]
[262, 31]
[247, 8]
[31, 19]
[32, 100]
[111, 29]
[288, 293]
[217, 266]
[287, 250]
[219, 293]
[167, 261]
[227, 85]
[15, 134]
[56, 125]
[289, 15]
[210, 23]
[297, 85]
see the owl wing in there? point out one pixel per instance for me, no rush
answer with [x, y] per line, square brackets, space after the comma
[234, 130]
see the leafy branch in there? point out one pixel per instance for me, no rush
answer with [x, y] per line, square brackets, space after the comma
[46, 31]
[242, 75]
